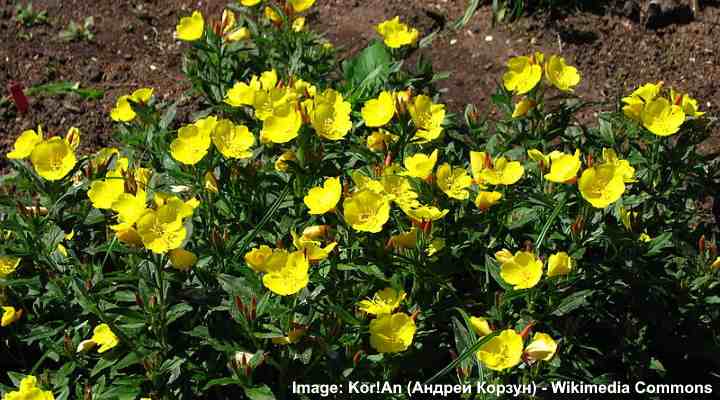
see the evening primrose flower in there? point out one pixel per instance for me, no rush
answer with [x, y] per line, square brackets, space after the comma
[405, 240]
[645, 238]
[420, 165]
[688, 104]
[193, 141]
[8, 265]
[623, 167]
[436, 245]
[524, 73]
[502, 172]
[523, 270]
[392, 333]
[104, 192]
[561, 75]
[162, 230]
[10, 315]
[232, 141]
[250, 3]
[601, 185]
[559, 264]
[298, 24]
[182, 259]
[644, 94]
[480, 326]
[427, 117]
[282, 126]
[25, 144]
[190, 28]
[313, 249]
[291, 277]
[453, 181]
[502, 351]
[293, 336]
[366, 211]
[627, 218]
[330, 115]
[53, 158]
[102, 336]
[29, 390]
[378, 112]
[301, 5]
[541, 348]
[383, 302]
[396, 34]
[272, 15]
[258, 257]
[523, 107]
[662, 117]
[485, 199]
[715, 264]
[376, 141]
[130, 207]
[281, 162]
[564, 167]
[323, 199]
[424, 212]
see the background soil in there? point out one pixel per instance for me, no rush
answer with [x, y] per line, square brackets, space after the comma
[134, 47]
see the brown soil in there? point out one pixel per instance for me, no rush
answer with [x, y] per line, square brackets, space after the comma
[134, 47]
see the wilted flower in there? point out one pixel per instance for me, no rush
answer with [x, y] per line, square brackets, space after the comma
[182, 259]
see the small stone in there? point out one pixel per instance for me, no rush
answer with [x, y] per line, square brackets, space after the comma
[488, 38]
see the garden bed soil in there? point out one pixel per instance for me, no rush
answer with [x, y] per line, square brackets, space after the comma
[134, 47]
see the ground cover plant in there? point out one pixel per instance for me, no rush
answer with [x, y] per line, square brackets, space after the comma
[323, 221]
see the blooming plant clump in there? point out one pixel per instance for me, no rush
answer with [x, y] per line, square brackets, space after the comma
[323, 223]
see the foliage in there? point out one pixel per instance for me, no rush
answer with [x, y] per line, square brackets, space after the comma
[278, 238]
[75, 31]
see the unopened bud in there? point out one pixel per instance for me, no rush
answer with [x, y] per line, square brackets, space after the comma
[701, 244]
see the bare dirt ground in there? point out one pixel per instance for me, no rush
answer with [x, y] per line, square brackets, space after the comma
[134, 46]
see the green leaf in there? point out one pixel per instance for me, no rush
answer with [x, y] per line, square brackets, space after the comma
[573, 302]
[373, 61]
[259, 393]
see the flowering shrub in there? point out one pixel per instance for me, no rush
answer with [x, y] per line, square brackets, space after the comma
[312, 225]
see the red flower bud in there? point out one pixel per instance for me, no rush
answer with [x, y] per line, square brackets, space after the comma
[18, 96]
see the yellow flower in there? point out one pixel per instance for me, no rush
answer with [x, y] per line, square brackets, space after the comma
[130, 207]
[162, 230]
[378, 112]
[72, 137]
[142, 95]
[281, 162]
[542, 347]
[503, 256]
[396, 34]
[182, 259]
[10, 315]
[8, 265]
[298, 24]
[211, 183]
[523, 270]
[715, 264]
[129, 236]
[383, 302]
[480, 326]
[323, 199]
[485, 200]
[282, 126]
[453, 181]
[561, 75]
[523, 73]
[25, 144]
[564, 168]
[330, 115]
[272, 15]
[423, 212]
[53, 158]
[102, 336]
[103, 193]
[503, 172]
[420, 165]
[233, 141]
[366, 211]
[376, 141]
[627, 218]
[622, 167]
[238, 35]
[661, 117]
[291, 277]
[257, 258]
[523, 107]
[503, 351]
[479, 160]
[250, 3]
[405, 240]
[635, 103]
[123, 111]
[392, 333]
[29, 390]
[193, 141]
[601, 185]
[689, 105]
[312, 248]
[301, 5]
[293, 336]
[644, 237]
[427, 117]
[190, 28]
[559, 264]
